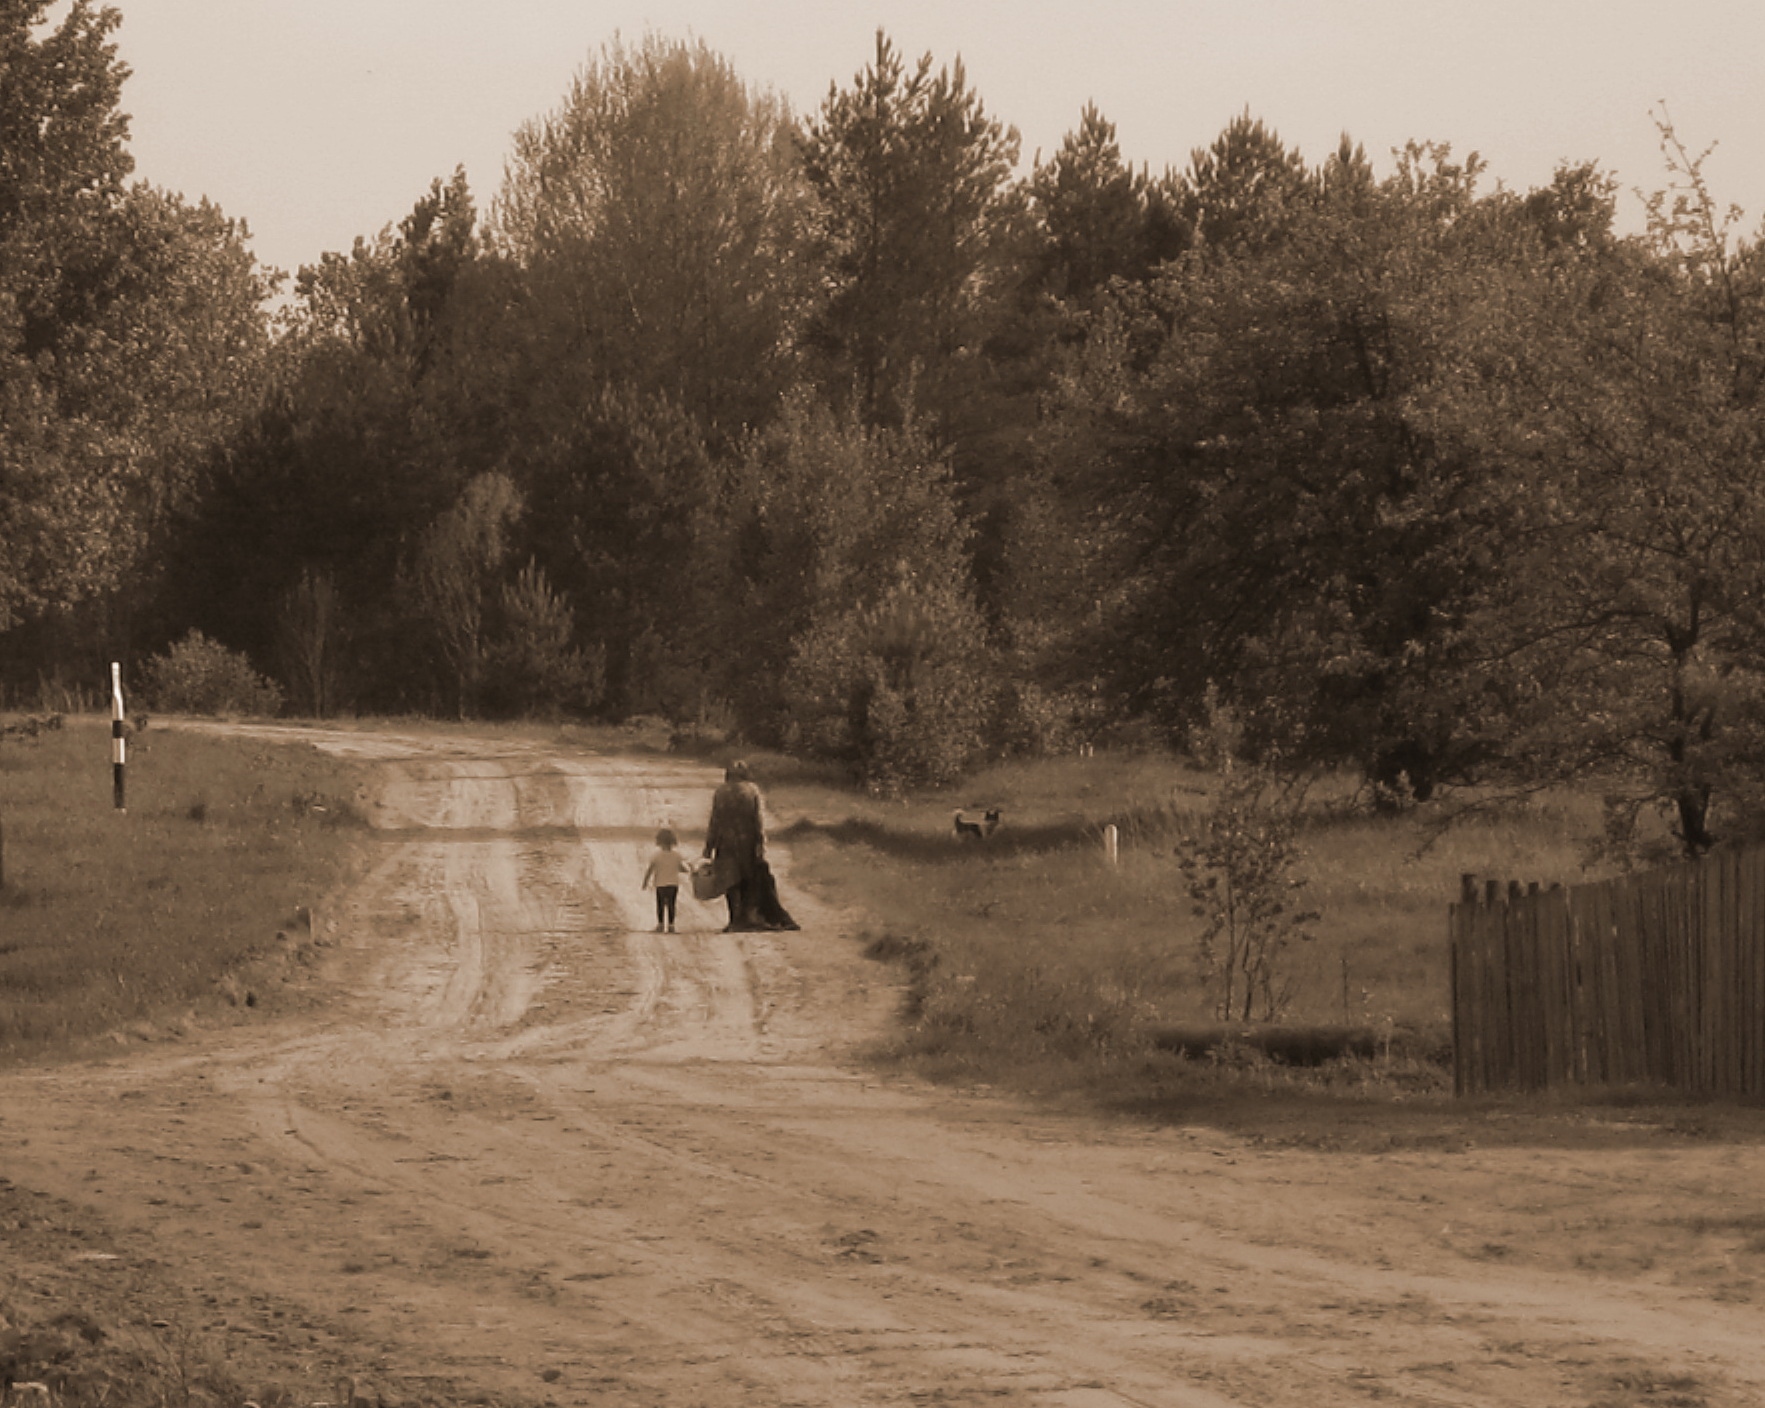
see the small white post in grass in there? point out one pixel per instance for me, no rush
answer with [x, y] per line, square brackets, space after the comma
[118, 746]
[1112, 844]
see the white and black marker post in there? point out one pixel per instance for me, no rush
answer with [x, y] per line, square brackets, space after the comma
[118, 746]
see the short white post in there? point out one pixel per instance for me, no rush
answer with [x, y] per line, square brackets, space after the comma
[1112, 844]
[118, 746]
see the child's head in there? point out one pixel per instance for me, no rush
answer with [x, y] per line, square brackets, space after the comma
[665, 839]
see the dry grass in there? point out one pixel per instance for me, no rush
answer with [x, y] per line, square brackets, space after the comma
[110, 919]
[1030, 952]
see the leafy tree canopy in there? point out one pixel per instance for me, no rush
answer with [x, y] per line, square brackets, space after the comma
[658, 212]
[130, 323]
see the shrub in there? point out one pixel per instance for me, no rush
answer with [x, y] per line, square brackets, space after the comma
[201, 676]
[1032, 721]
[898, 690]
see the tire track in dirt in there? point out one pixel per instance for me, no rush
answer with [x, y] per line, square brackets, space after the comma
[539, 1147]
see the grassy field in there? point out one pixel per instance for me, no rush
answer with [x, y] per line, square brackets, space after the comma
[154, 916]
[1030, 952]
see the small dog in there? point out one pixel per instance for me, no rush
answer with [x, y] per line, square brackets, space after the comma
[967, 830]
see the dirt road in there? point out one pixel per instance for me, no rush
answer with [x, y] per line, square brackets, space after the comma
[527, 1145]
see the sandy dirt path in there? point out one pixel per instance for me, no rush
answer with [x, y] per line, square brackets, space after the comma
[529, 1146]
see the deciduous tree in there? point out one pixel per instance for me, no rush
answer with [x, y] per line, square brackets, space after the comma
[622, 500]
[1256, 502]
[454, 578]
[657, 214]
[1617, 398]
[825, 515]
[373, 418]
[130, 326]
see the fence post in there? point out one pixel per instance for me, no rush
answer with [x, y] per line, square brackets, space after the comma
[1462, 969]
[1112, 844]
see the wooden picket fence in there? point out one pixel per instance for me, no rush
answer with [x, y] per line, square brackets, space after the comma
[1655, 979]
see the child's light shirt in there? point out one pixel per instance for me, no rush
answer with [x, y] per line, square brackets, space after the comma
[665, 868]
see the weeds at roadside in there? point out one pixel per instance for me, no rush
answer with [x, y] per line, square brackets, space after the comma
[919, 957]
[1645, 1388]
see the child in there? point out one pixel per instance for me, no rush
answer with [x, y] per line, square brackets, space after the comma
[664, 872]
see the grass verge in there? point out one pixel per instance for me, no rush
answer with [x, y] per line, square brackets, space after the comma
[1030, 960]
[154, 917]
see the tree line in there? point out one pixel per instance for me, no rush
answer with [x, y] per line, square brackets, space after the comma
[837, 431]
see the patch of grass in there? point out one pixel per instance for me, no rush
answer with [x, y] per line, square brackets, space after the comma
[1749, 1224]
[110, 919]
[1646, 1388]
[1029, 949]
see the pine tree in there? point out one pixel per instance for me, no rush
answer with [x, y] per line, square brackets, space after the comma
[918, 219]
[1099, 219]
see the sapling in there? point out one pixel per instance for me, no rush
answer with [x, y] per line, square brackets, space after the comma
[1239, 869]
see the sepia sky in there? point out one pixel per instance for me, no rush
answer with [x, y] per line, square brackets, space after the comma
[320, 120]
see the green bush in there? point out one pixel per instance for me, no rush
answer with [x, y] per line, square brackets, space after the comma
[201, 676]
[899, 691]
[1030, 721]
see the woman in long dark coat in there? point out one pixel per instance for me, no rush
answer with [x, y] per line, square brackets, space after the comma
[735, 842]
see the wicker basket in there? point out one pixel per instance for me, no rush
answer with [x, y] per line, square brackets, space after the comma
[704, 877]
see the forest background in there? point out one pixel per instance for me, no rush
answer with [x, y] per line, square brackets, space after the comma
[835, 432]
